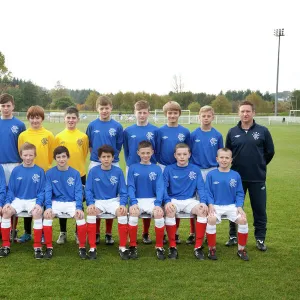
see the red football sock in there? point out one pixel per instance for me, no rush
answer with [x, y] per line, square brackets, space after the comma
[123, 233]
[211, 240]
[98, 226]
[159, 232]
[200, 231]
[132, 230]
[91, 231]
[48, 236]
[109, 224]
[177, 223]
[81, 231]
[171, 230]
[242, 239]
[146, 225]
[37, 238]
[192, 225]
[5, 236]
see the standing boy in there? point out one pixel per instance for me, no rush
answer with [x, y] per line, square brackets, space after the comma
[182, 181]
[63, 195]
[2, 191]
[225, 197]
[146, 190]
[26, 191]
[106, 192]
[43, 140]
[105, 131]
[77, 144]
[205, 142]
[133, 135]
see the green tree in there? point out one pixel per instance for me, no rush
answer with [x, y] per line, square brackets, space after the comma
[91, 100]
[221, 105]
[194, 107]
[18, 97]
[63, 103]
[3, 68]
[59, 91]
[295, 99]
[257, 100]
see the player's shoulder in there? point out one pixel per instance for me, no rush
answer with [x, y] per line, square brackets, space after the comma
[130, 128]
[47, 132]
[194, 168]
[234, 173]
[116, 123]
[259, 127]
[18, 121]
[151, 127]
[215, 131]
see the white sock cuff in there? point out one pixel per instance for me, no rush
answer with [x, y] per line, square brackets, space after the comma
[202, 219]
[159, 223]
[38, 224]
[47, 222]
[133, 221]
[211, 229]
[6, 223]
[122, 220]
[243, 228]
[91, 219]
[80, 222]
[170, 221]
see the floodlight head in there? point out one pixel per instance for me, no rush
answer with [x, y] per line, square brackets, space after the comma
[279, 32]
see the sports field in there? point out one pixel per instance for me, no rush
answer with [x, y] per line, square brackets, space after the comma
[273, 274]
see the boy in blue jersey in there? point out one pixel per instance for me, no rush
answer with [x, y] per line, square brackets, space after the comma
[133, 135]
[182, 181]
[205, 142]
[26, 191]
[106, 192]
[225, 197]
[104, 131]
[145, 189]
[63, 195]
[167, 137]
[2, 191]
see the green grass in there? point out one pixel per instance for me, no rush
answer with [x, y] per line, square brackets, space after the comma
[270, 275]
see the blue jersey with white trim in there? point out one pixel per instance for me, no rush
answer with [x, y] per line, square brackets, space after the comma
[204, 147]
[145, 181]
[224, 188]
[105, 133]
[105, 184]
[133, 135]
[182, 183]
[10, 130]
[63, 186]
[2, 187]
[26, 183]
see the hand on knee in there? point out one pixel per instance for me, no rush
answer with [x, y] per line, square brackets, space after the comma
[158, 213]
[134, 210]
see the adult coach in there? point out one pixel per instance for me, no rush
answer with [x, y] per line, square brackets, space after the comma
[252, 148]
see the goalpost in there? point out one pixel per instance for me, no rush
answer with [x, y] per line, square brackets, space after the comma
[294, 113]
[159, 117]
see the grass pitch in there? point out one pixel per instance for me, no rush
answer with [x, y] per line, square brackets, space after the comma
[273, 274]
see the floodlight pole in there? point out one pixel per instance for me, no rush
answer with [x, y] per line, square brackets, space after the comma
[279, 33]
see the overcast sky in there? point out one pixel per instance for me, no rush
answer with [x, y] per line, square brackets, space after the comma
[136, 45]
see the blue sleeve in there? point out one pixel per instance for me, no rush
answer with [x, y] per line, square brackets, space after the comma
[159, 189]
[78, 192]
[268, 147]
[220, 142]
[89, 195]
[119, 139]
[2, 187]
[157, 145]
[188, 138]
[131, 187]
[88, 133]
[201, 188]
[41, 190]
[48, 192]
[123, 190]
[208, 190]
[125, 145]
[167, 199]
[240, 196]
[10, 195]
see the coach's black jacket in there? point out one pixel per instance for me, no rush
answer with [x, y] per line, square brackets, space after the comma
[252, 150]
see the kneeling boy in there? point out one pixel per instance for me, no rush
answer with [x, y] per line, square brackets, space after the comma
[145, 190]
[63, 195]
[225, 197]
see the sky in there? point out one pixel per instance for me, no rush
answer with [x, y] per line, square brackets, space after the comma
[137, 45]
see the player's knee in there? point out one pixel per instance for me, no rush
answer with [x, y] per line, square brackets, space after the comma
[158, 213]
[241, 221]
[134, 212]
[212, 220]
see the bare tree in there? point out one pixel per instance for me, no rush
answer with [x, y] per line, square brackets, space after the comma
[177, 84]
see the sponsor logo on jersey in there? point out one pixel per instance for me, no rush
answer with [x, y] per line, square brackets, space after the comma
[133, 136]
[232, 182]
[237, 136]
[197, 141]
[164, 137]
[150, 136]
[80, 142]
[112, 132]
[55, 181]
[44, 141]
[19, 178]
[152, 176]
[192, 175]
[181, 137]
[96, 131]
[216, 182]
[213, 141]
[14, 129]
[70, 181]
[35, 178]
[136, 174]
[113, 180]
[263, 188]
[97, 179]
[175, 177]
[255, 135]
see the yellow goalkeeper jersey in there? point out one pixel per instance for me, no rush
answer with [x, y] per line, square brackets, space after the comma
[77, 143]
[43, 140]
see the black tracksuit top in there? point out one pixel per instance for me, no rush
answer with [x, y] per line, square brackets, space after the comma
[252, 150]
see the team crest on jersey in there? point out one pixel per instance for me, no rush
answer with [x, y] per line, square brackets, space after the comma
[79, 142]
[113, 180]
[44, 141]
[14, 129]
[164, 137]
[19, 178]
[112, 132]
[55, 181]
[133, 136]
[149, 136]
[70, 181]
[96, 131]
[136, 174]
[97, 179]
[181, 137]
[232, 182]
[197, 141]
[213, 141]
[152, 176]
[192, 175]
[255, 135]
[35, 178]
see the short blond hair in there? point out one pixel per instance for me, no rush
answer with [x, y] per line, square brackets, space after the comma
[142, 104]
[27, 146]
[103, 100]
[206, 108]
[171, 105]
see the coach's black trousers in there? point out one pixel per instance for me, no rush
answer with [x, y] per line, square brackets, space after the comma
[258, 199]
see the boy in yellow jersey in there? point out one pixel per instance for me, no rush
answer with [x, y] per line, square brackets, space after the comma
[43, 140]
[77, 143]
